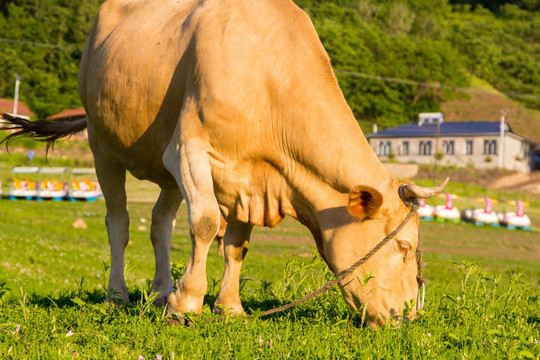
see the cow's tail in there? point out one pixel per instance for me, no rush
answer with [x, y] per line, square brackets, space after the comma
[41, 130]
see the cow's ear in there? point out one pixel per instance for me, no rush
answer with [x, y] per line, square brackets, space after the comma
[364, 201]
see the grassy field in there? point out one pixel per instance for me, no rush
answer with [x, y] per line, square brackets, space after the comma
[482, 295]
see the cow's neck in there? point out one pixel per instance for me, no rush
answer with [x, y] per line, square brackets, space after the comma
[331, 156]
[308, 170]
[331, 151]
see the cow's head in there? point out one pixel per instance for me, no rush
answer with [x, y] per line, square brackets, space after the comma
[388, 280]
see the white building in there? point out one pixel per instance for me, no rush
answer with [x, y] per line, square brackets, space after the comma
[476, 143]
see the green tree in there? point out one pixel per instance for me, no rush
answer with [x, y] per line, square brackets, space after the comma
[433, 44]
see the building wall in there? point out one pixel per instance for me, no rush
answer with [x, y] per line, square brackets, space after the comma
[485, 151]
[518, 155]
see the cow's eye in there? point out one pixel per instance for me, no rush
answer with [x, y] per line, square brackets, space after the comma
[404, 247]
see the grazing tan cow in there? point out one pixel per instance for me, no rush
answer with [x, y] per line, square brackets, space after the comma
[232, 106]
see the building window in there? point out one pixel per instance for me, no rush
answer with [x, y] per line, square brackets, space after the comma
[424, 148]
[448, 147]
[490, 147]
[385, 147]
[404, 148]
[468, 147]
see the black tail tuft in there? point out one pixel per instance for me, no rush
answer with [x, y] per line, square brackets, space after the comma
[41, 130]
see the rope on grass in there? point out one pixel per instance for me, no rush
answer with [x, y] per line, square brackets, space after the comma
[342, 275]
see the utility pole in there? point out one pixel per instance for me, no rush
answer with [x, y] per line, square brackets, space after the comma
[501, 151]
[431, 118]
[437, 134]
[16, 101]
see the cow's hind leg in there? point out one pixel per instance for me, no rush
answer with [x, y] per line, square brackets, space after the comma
[112, 177]
[236, 246]
[219, 237]
[163, 220]
[189, 164]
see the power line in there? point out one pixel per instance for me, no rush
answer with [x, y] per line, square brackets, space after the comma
[50, 46]
[345, 72]
[49, 103]
[428, 84]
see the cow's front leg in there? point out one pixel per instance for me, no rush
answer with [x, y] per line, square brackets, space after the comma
[236, 246]
[112, 177]
[163, 220]
[190, 166]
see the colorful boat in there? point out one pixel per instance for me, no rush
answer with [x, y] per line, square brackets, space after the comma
[83, 189]
[485, 216]
[516, 219]
[53, 189]
[23, 189]
[425, 211]
[447, 212]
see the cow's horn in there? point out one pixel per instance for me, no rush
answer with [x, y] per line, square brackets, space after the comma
[414, 191]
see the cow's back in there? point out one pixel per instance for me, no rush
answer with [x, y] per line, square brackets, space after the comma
[129, 82]
[254, 68]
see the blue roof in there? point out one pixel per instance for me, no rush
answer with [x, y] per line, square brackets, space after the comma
[446, 129]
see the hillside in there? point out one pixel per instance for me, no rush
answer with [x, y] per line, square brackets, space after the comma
[484, 103]
[393, 59]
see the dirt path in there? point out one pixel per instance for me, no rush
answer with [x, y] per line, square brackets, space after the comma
[519, 182]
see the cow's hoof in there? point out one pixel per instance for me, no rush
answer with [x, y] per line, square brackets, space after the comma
[178, 303]
[116, 297]
[160, 301]
[116, 301]
[222, 309]
[179, 320]
[176, 321]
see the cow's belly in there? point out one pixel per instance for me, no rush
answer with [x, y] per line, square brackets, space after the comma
[156, 174]
[143, 158]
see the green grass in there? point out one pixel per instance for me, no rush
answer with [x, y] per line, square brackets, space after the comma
[482, 299]
[479, 84]
[482, 295]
